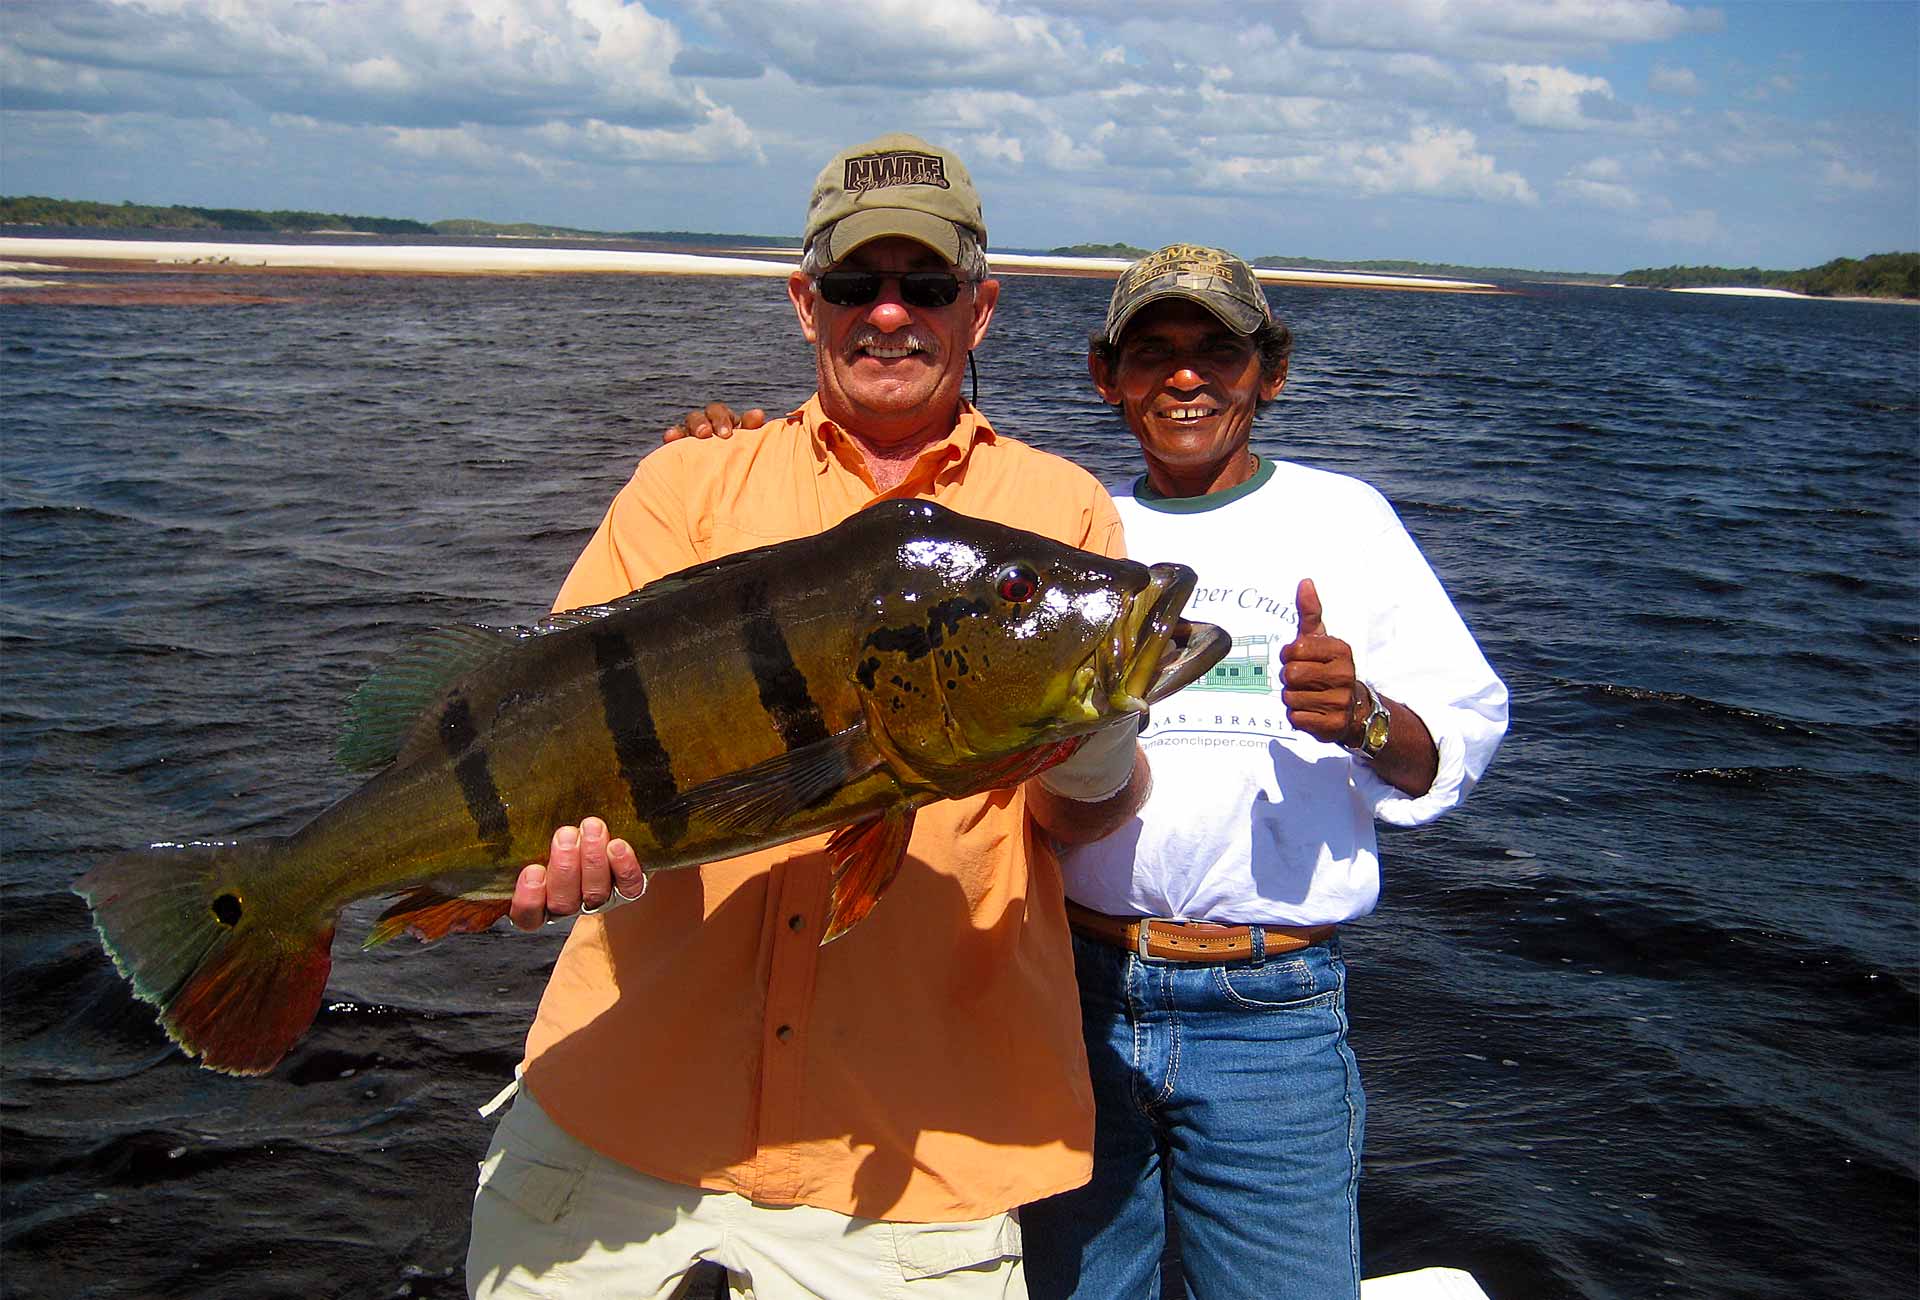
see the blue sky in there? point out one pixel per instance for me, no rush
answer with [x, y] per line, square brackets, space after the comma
[1594, 135]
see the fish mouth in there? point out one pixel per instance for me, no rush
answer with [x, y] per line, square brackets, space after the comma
[1152, 651]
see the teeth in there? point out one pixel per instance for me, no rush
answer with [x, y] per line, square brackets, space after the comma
[1189, 413]
[873, 346]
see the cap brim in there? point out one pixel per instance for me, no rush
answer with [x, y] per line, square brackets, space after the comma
[1237, 316]
[850, 232]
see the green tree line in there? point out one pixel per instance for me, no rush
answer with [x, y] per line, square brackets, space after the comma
[1880, 275]
[35, 210]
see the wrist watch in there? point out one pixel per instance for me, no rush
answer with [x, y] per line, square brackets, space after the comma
[1378, 725]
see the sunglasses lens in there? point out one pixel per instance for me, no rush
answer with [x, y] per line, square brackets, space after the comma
[848, 288]
[917, 288]
[929, 288]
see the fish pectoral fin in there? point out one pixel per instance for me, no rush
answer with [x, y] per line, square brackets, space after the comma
[759, 798]
[427, 914]
[866, 857]
[997, 773]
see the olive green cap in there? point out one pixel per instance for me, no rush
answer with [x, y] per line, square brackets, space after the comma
[895, 185]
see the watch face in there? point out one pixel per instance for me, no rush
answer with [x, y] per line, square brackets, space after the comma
[1376, 733]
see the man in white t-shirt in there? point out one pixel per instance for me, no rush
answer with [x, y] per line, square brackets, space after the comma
[1206, 945]
[1213, 994]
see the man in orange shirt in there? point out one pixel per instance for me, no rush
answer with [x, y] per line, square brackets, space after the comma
[703, 1080]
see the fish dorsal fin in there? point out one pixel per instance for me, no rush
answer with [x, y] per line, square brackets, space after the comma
[388, 706]
[757, 799]
[664, 587]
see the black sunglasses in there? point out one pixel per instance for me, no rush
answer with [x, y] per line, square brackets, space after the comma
[917, 288]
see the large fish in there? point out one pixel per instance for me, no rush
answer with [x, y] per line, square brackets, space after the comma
[836, 682]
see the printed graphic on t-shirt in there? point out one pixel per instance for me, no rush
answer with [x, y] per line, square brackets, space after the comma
[1248, 666]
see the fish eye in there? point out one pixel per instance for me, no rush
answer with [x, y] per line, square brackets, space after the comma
[1018, 584]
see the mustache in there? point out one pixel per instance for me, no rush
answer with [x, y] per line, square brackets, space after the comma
[910, 337]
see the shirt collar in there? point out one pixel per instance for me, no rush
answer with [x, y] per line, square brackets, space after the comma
[938, 460]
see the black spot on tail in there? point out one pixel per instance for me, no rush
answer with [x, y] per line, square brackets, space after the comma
[227, 910]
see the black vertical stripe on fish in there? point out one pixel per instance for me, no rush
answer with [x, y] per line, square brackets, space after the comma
[783, 687]
[644, 763]
[473, 772]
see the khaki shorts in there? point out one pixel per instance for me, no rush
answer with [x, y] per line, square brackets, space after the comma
[554, 1218]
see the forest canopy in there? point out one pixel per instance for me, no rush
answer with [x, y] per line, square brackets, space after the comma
[1881, 275]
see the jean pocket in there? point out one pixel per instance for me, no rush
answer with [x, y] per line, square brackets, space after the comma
[935, 1249]
[1285, 985]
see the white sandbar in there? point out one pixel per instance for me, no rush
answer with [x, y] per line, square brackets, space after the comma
[482, 260]
[387, 257]
[1737, 291]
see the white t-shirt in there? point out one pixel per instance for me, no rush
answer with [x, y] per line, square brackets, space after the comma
[1251, 821]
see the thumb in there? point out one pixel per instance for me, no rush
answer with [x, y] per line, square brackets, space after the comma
[1306, 602]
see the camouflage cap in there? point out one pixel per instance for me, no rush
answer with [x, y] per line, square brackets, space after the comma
[895, 185]
[1215, 279]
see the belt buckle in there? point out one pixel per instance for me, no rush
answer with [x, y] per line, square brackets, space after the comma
[1140, 937]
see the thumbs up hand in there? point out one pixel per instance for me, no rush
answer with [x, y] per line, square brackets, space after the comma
[1318, 685]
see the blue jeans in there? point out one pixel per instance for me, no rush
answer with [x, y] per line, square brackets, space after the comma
[1228, 1105]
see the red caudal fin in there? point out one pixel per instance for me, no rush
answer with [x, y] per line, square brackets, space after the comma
[866, 857]
[236, 980]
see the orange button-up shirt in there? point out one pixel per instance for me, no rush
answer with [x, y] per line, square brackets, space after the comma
[925, 1067]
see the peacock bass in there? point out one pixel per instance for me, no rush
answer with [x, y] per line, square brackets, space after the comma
[831, 683]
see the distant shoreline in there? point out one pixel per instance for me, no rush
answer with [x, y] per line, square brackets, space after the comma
[53, 254]
[26, 262]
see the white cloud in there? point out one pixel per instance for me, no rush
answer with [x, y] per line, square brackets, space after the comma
[397, 62]
[1496, 29]
[1442, 162]
[913, 44]
[1777, 86]
[1673, 81]
[1839, 176]
[1603, 194]
[1432, 162]
[1555, 99]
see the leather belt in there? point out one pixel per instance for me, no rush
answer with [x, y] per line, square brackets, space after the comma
[1148, 936]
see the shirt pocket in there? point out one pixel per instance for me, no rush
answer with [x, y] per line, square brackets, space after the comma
[933, 1249]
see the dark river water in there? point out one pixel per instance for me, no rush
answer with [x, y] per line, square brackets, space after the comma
[1641, 1019]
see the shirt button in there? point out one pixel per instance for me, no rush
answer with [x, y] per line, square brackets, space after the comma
[796, 921]
[783, 1033]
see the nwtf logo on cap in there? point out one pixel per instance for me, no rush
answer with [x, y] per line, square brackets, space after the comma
[879, 171]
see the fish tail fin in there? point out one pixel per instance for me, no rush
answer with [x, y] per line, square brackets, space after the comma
[867, 855]
[428, 914]
[191, 928]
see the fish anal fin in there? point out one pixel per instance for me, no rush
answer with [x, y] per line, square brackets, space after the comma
[428, 914]
[757, 799]
[866, 855]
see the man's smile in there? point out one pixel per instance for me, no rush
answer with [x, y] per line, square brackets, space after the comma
[889, 347]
